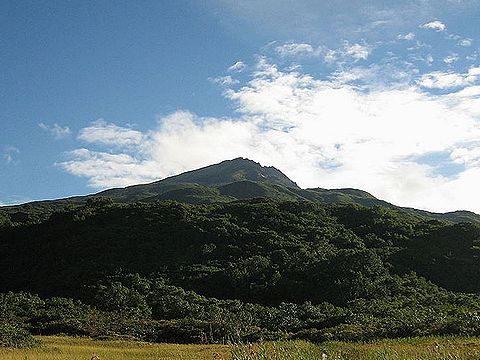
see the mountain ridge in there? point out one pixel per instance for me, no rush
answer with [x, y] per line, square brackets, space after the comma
[229, 180]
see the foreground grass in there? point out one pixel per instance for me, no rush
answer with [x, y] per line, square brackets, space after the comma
[67, 348]
[399, 349]
[63, 348]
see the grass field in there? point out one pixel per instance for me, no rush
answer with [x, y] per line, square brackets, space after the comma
[65, 348]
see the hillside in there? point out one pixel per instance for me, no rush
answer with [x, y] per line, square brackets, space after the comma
[243, 270]
[199, 246]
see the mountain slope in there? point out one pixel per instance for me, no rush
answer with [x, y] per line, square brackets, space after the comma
[226, 172]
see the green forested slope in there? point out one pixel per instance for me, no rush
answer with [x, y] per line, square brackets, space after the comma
[260, 250]
[167, 271]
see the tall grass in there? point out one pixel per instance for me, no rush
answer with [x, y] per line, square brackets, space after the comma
[401, 349]
[65, 348]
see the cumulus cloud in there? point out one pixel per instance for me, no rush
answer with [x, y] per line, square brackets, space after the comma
[106, 170]
[448, 80]
[105, 133]
[434, 25]
[181, 141]
[357, 51]
[319, 132]
[57, 131]
[468, 155]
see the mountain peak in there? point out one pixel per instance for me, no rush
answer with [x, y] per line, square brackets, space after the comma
[228, 171]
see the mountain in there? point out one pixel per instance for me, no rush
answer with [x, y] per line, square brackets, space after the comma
[243, 251]
[209, 184]
[229, 180]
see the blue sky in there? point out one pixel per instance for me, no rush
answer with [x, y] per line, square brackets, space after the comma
[382, 96]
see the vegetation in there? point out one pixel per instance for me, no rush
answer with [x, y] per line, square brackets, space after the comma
[242, 271]
[67, 348]
[63, 348]
[14, 335]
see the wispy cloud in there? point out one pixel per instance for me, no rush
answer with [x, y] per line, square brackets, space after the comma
[409, 36]
[331, 22]
[465, 42]
[105, 133]
[8, 154]
[450, 59]
[224, 80]
[345, 53]
[57, 131]
[296, 49]
[239, 66]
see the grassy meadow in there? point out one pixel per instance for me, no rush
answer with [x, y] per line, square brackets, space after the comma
[67, 348]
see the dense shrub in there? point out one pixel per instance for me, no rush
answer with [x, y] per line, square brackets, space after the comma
[14, 335]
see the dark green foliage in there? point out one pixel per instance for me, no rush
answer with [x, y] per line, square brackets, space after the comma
[237, 271]
[258, 251]
[4, 219]
[14, 335]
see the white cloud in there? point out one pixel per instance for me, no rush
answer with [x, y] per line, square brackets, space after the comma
[225, 80]
[473, 72]
[409, 36]
[472, 57]
[8, 154]
[239, 66]
[465, 42]
[450, 59]
[448, 80]
[107, 170]
[340, 55]
[180, 142]
[295, 49]
[468, 155]
[330, 56]
[434, 25]
[320, 133]
[375, 75]
[357, 51]
[102, 132]
[57, 131]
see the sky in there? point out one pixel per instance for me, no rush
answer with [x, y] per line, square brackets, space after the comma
[383, 96]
